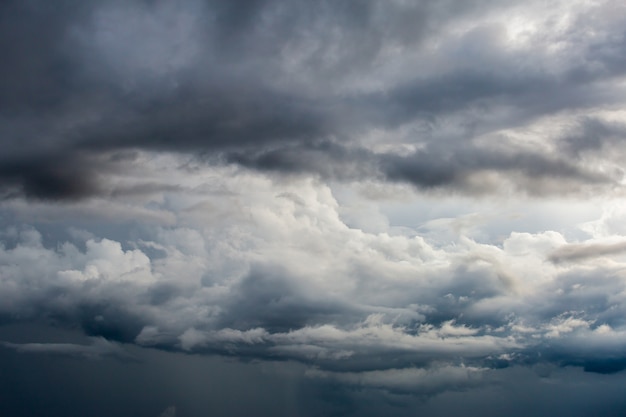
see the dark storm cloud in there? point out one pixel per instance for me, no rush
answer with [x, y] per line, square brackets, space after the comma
[447, 165]
[451, 166]
[591, 134]
[37, 70]
[576, 252]
[260, 82]
[52, 177]
[326, 158]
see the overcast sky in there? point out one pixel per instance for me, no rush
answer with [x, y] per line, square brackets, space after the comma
[312, 208]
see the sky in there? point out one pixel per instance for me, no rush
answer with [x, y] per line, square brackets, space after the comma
[312, 208]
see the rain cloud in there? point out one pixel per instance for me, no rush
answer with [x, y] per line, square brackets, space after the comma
[378, 207]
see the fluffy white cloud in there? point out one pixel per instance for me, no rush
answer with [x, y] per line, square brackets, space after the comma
[261, 267]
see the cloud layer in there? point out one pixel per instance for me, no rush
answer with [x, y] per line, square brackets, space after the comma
[400, 198]
[253, 267]
[428, 93]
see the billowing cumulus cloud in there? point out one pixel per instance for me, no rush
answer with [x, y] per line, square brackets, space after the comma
[382, 202]
[259, 268]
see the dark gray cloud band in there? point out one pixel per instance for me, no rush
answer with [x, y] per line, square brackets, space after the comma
[270, 84]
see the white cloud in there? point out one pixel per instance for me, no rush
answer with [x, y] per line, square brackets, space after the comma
[271, 270]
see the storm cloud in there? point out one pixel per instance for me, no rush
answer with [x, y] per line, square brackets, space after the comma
[377, 206]
[268, 84]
